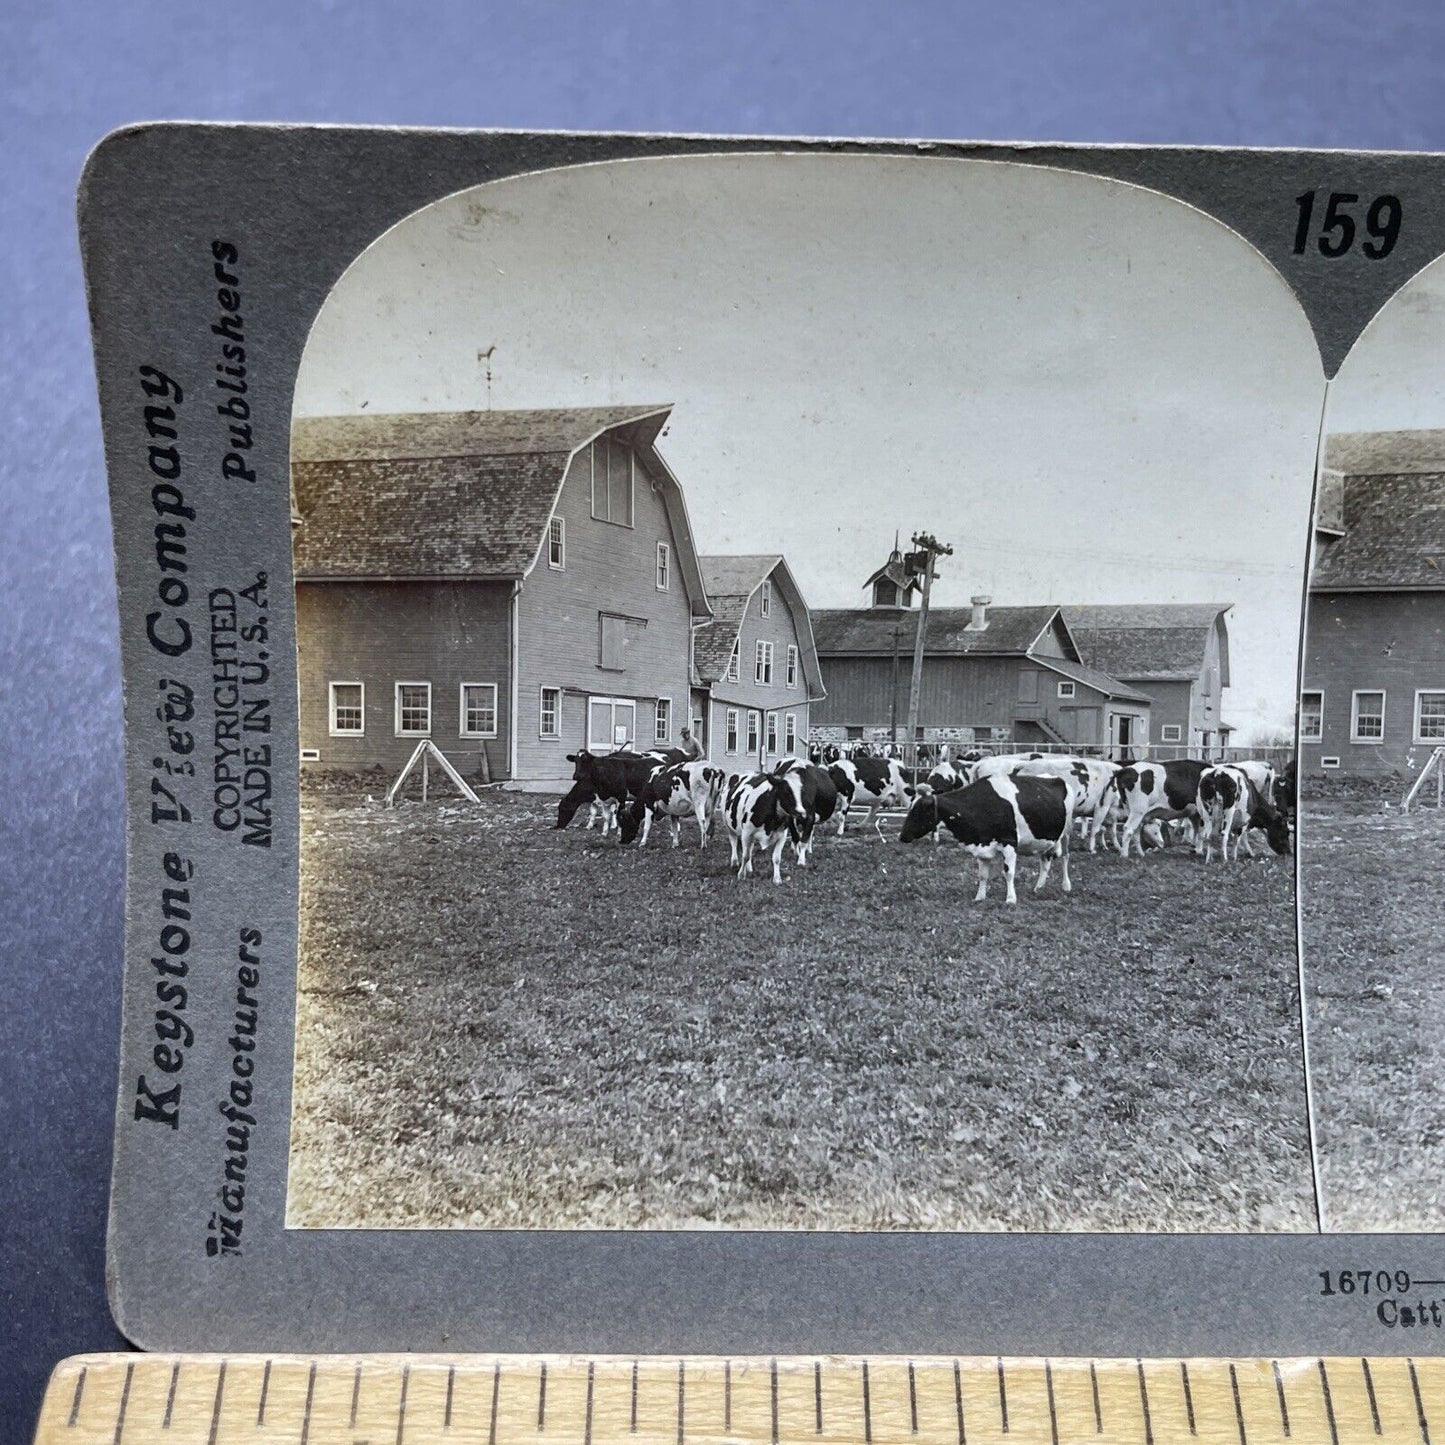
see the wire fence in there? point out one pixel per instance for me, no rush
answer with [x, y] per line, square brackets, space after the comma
[928, 754]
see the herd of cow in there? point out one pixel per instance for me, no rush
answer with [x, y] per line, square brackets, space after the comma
[999, 807]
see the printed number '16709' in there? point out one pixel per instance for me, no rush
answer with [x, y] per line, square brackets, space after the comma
[1338, 227]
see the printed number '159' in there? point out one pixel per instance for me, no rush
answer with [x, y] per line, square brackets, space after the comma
[1337, 227]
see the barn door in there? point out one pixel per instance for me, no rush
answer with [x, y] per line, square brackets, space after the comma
[611, 723]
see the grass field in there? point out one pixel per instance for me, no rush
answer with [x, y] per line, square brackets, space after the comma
[504, 1025]
[1373, 899]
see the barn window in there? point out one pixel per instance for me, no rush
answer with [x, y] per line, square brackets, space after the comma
[790, 732]
[792, 665]
[734, 668]
[1311, 716]
[664, 566]
[413, 709]
[732, 730]
[752, 731]
[1367, 717]
[1066, 689]
[557, 543]
[765, 597]
[1430, 717]
[612, 642]
[763, 664]
[348, 709]
[310, 755]
[550, 721]
[772, 732]
[479, 710]
[611, 723]
[612, 473]
[1329, 762]
[664, 720]
[1171, 733]
[885, 594]
[853, 735]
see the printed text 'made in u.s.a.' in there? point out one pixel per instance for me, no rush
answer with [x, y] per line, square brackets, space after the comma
[240, 683]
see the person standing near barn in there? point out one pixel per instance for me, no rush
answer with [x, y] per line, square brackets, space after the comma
[691, 746]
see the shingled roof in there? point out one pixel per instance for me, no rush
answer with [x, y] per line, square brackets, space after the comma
[1092, 677]
[1148, 642]
[1392, 514]
[868, 632]
[463, 495]
[731, 582]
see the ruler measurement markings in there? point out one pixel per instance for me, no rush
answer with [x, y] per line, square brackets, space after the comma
[265, 1390]
[773, 1397]
[216, 1405]
[1329, 1405]
[682, 1400]
[401, 1403]
[867, 1409]
[1053, 1409]
[1094, 1390]
[912, 1399]
[958, 1401]
[1144, 1404]
[1002, 1396]
[1279, 1392]
[1238, 1405]
[1419, 1403]
[124, 1402]
[1370, 1395]
[587, 1421]
[1188, 1396]
[496, 1394]
[817, 1397]
[727, 1395]
[75, 1403]
[171, 1396]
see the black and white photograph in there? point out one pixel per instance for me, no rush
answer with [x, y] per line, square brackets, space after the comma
[1372, 780]
[797, 663]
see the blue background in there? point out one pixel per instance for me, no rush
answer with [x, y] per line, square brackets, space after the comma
[1280, 74]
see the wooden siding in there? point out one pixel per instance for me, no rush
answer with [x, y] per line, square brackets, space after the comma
[1390, 642]
[1006, 693]
[382, 633]
[609, 569]
[740, 760]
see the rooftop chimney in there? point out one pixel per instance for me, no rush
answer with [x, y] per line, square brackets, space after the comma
[979, 620]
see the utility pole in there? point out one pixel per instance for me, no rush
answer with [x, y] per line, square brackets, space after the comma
[893, 688]
[928, 548]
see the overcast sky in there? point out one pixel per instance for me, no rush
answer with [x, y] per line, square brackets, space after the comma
[1393, 379]
[1096, 394]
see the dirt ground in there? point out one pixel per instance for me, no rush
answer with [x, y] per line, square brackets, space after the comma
[1373, 908]
[505, 1025]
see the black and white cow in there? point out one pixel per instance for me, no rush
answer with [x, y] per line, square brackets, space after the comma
[1153, 791]
[1002, 817]
[874, 782]
[947, 775]
[759, 812]
[815, 796]
[681, 790]
[1230, 802]
[609, 780]
[1286, 791]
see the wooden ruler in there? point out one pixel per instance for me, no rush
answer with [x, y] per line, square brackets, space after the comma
[865, 1400]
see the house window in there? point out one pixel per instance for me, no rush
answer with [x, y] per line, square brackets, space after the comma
[549, 723]
[612, 471]
[1367, 717]
[734, 668]
[763, 664]
[1311, 716]
[732, 730]
[664, 566]
[479, 710]
[612, 642]
[557, 544]
[1171, 733]
[772, 732]
[348, 709]
[1430, 717]
[790, 732]
[664, 720]
[413, 709]
[765, 597]
[792, 665]
[1066, 689]
[752, 731]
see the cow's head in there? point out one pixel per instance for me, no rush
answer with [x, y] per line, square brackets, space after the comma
[567, 808]
[583, 765]
[629, 820]
[1276, 828]
[922, 819]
